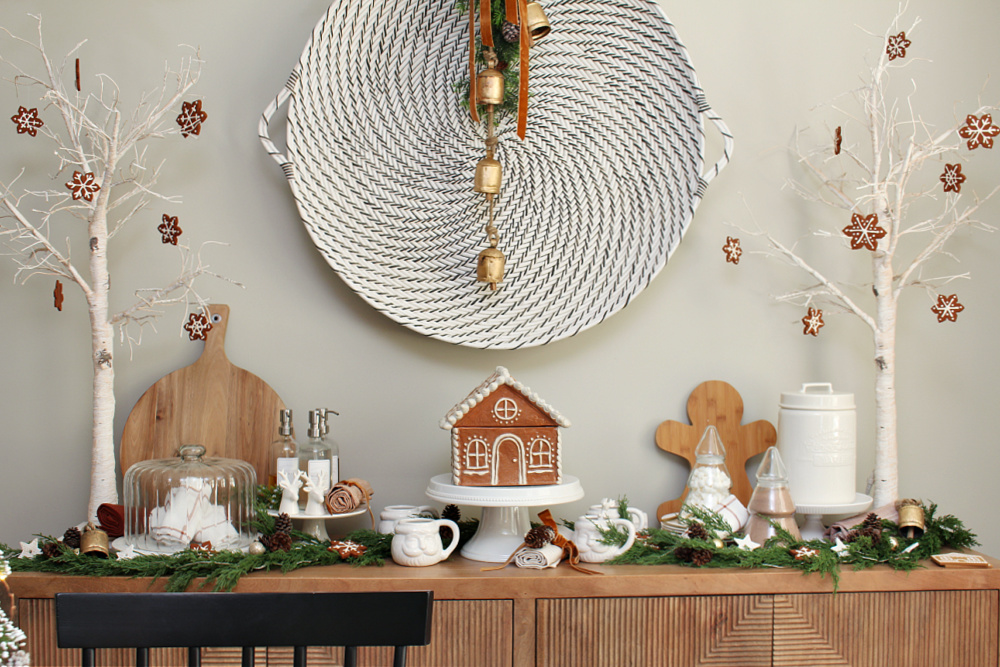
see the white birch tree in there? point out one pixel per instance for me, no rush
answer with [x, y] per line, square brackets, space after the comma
[874, 181]
[102, 181]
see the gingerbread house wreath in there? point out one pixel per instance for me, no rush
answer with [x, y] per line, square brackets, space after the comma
[503, 434]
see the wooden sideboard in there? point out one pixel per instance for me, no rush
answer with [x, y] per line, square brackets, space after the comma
[629, 615]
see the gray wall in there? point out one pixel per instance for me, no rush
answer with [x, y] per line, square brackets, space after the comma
[764, 66]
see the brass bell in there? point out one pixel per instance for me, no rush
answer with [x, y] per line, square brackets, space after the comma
[94, 541]
[538, 23]
[489, 269]
[490, 86]
[911, 518]
[488, 175]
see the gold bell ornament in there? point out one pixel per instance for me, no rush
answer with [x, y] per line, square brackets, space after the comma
[488, 176]
[94, 541]
[489, 267]
[911, 518]
[538, 23]
[490, 86]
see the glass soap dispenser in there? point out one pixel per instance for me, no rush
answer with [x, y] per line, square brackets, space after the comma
[771, 500]
[284, 454]
[324, 416]
[709, 483]
[316, 461]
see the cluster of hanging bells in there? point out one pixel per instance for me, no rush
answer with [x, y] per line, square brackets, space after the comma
[490, 89]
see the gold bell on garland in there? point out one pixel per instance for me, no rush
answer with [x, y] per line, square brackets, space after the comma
[94, 541]
[538, 23]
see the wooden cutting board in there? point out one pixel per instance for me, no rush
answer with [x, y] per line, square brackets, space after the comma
[716, 403]
[230, 411]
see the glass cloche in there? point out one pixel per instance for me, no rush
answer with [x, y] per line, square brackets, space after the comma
[189, 501]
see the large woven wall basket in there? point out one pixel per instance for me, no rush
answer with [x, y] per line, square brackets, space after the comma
[380, 157]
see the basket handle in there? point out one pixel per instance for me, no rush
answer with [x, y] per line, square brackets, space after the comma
[727, 145]
[265, 118]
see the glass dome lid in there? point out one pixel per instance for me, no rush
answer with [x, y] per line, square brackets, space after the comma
[189, 501]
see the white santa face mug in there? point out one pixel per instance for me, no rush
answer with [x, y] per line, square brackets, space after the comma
[393, 513]
[417, 541]
[587, 538]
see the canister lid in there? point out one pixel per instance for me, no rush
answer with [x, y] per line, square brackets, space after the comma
[817, 396]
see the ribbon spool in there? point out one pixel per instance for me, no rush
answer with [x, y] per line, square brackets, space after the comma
[94, 541]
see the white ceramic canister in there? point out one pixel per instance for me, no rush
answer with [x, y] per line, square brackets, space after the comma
[817, 437]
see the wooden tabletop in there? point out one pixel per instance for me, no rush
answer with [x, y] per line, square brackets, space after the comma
[461, 579]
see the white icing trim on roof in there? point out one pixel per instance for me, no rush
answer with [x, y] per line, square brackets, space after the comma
[479, 394]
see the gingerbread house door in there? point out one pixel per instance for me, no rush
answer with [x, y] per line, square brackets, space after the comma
[508, 461]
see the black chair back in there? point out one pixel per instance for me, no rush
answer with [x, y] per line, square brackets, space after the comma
[194, 620]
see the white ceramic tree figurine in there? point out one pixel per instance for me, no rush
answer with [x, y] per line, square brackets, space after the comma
[873, 180]
[102, 180]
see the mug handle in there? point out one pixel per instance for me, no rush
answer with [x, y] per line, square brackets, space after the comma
[630, 527]
[637, 517]
[454, 536]
[426, 509]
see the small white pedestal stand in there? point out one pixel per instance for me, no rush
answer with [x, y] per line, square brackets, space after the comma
[315, 524]
[505, 519]
[813, 528]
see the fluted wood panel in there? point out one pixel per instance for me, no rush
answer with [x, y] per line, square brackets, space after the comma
[684, 631]
[464, 632]
[953, 628]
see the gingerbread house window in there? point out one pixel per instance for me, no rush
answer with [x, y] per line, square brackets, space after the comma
[539, 453]
[506, 410]
[476, 456]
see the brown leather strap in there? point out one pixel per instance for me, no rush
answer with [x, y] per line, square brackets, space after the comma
[522, 92]
[472, 62]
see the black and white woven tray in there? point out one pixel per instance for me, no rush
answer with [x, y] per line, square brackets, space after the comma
[380, 158]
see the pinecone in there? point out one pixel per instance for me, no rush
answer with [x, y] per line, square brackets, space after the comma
[282, 541]
[696, 531]
[539, 536]
[684, 554]
[283, 524]
[50, 549]
[701, 557]
[872, 522]
[71, 537]
[511, 32]
[452, 513]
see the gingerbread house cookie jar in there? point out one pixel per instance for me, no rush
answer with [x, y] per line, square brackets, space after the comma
[503, 434]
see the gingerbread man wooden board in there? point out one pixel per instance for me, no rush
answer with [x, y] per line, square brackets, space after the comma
[718, 404]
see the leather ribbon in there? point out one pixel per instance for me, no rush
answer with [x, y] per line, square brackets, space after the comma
[570, 551]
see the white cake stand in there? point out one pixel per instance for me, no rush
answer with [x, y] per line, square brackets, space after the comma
[504, 520]
[813, 528]
[315, 524]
